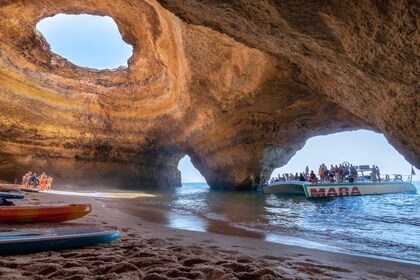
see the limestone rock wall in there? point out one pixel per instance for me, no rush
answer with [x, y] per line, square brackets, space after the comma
[237, 85]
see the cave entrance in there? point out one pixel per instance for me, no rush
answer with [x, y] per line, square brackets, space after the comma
[356, 147]
[189, 174]
[86, 40]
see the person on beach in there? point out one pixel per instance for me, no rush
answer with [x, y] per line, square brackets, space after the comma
[49, 183]
[25, 179]
[42, 182]
[33, 181]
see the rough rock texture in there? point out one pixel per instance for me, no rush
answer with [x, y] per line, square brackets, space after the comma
[238, 85]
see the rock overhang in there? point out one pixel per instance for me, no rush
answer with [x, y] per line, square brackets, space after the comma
[238, 97]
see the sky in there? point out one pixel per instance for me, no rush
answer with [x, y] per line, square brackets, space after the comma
[361, 147]
[94, 41]
[85, 40]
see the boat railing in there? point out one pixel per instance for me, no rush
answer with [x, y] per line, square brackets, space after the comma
[367, 177]
[395, 177]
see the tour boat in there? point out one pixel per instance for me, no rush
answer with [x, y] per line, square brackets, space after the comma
[363, 186]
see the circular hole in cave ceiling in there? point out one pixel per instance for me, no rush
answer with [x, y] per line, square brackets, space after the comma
[86, 40]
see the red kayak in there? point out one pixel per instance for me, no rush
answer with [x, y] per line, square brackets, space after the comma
[43, 214]
[9, 189]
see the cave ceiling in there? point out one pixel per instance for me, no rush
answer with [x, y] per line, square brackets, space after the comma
[239, 86]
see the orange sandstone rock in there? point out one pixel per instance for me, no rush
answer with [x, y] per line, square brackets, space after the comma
[239, 86]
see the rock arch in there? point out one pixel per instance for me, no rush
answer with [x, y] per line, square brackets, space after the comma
[237, 86]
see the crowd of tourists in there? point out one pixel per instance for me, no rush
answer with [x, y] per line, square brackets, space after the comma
[334, 174]
[42, 182]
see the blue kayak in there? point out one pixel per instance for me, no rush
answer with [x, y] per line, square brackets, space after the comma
[8, 195]
[37, 240]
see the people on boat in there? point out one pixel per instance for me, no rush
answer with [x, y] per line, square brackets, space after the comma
[378, 173]
[339, 173]
[321, 173]
[312, 177]
[353, 173]
[373, 174]
[301, 177]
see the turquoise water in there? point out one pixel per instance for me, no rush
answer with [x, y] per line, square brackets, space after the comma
[382, 225]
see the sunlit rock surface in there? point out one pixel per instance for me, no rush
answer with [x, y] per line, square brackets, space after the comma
[239, 86]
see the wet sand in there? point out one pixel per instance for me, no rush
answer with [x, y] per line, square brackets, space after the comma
[148, 250]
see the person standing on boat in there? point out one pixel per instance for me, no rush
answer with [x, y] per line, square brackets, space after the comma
[373, 173]
[353, 172]
[378, 173]
[321, 173]
[340, 172]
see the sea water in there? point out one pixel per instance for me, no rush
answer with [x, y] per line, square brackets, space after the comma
[382, 225]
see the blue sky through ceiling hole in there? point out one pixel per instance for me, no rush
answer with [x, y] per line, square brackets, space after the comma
[86, 40]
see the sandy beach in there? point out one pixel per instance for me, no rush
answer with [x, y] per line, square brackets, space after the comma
[147, 250]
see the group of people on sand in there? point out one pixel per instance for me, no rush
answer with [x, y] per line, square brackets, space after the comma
[335, 174]
[42, 182]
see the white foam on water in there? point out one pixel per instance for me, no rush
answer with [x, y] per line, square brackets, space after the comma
[104, 194]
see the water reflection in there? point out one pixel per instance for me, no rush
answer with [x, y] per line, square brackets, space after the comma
[187, 222]
[387, 225]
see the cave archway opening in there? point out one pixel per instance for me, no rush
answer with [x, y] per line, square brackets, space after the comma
[360, 147]
[189, 174]
[86, 40]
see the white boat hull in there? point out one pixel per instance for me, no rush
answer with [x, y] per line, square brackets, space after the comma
[339, 189]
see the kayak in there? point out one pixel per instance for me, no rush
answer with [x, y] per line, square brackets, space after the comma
[37, 240]
[16, 187]
[9, 189]
[43, 213]
[28, 190]
[8, 195]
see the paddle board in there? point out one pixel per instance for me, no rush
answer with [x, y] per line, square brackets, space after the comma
[43, 213]
[8, 195]
[37, 240]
